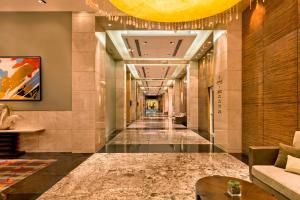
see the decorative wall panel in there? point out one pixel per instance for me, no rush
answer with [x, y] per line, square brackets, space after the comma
[270, 73]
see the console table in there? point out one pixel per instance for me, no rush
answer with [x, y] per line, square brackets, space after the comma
[9, 141]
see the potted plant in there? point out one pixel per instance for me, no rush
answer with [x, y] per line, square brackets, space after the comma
[234, 188]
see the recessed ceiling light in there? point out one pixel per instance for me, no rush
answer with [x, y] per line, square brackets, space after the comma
[42, 1]
[109, 25]
[145, 42]
[172, 42]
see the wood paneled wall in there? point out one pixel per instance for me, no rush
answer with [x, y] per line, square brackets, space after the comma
[270, 73]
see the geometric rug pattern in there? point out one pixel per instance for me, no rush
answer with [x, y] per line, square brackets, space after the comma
[15, 170]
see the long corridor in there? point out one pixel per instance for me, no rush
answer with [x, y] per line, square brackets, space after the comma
[158, 134]
[151, 159]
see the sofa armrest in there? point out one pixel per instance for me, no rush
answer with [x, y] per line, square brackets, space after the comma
[262, 155]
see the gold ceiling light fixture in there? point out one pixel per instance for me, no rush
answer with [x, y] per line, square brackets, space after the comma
[172, 11]
[168, 14]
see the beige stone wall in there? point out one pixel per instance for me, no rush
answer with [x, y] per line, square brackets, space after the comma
[170, 101]
[166, 101]
[110, 108]
[177, 96]
[206, 80]
[141, 103]
[73, 131]
[120, 95]
[222, 71]
[227, 84]
[133, 98]
[192, 96]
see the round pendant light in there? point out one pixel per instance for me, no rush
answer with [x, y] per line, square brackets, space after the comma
[173, 10]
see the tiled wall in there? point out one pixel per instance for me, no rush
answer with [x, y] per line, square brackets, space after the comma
[179, 92]
[228, 66]
[72, 131]
[83, 83]
[192, 96]
[177, 98]
[206, 80]
[58, 136]
[140, 106]
[120, 96]
[223, 72]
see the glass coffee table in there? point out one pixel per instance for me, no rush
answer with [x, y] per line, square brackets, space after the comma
[215, 188]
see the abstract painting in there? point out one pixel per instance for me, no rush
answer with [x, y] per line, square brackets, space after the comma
[20, 78]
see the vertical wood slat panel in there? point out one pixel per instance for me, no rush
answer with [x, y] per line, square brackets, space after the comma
[270, 75]
[252, 83]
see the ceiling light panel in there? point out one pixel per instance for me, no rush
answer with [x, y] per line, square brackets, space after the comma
[160, 45]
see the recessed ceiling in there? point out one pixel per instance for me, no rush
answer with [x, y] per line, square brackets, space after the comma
[154, 71]
[158, 46]
[154, 78]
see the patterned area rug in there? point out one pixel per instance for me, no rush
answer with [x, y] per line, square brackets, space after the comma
[13, 171]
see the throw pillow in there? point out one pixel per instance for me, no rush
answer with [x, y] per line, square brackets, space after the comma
[284, 151]
[296, 142]
[293, 165]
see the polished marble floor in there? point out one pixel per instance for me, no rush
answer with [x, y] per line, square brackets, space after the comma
[144, 176]
[172, 136]
[155, 123]
[158, 163]
[152, 135]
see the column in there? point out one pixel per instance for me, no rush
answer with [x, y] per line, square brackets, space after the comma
[83, 83]
[177, 96]
[228, 89]
[192, 95]
[120, 95]
[170, 101]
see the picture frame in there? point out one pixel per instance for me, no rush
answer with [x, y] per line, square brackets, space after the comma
[20, 78]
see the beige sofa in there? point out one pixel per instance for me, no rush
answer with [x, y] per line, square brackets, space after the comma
[282, 184]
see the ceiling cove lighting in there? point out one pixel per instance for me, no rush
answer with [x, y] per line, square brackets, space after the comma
[169, 14]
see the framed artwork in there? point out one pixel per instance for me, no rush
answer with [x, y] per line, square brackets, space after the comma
[20, 78]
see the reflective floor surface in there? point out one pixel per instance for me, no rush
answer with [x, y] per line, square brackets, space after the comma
[154, 176]
[152, 159]
[158, 134]
[171, 136]
[155, 123]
